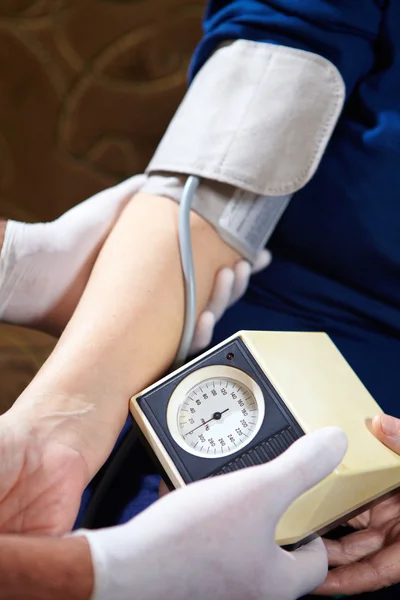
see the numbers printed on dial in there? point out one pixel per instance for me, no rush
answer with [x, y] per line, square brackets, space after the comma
[218, 416]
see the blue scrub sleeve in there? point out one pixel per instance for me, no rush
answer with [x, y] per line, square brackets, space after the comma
[343, 31]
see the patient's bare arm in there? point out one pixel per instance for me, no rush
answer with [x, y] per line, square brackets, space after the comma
[45, 568]
[126, 329]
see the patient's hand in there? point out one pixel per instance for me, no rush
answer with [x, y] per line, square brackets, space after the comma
[41, 481]
[369, 559]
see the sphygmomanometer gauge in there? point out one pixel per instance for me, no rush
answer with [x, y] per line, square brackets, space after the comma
[247, 400]
[215, 411]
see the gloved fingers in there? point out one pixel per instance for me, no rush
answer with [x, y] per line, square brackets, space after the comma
[263, 260]
[307, 462]
[307, 567]
[104, 206]
[203, 332]
[221, 293]
[225, 287]
[242, 273]
[122, 190]
[131, 185]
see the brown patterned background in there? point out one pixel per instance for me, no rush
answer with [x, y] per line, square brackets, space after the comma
[87, 88]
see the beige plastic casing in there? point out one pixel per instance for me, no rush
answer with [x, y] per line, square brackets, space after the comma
[320, 389]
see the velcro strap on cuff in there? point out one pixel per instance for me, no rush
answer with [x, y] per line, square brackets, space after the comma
[245, 221]
[257, 116]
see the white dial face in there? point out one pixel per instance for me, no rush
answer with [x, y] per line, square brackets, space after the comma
[219, 415]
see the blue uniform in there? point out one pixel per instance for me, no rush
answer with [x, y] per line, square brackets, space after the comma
[336, 250]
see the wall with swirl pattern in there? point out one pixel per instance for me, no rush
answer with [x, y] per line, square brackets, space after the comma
[87, 87]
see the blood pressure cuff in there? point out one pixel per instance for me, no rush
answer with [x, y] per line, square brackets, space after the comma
[253, 126]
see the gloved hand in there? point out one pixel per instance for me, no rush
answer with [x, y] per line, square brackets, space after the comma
[45, 264]
[215, 538]
[230, 286]
[44, 267]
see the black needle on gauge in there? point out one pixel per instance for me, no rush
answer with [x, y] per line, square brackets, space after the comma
[216, 417]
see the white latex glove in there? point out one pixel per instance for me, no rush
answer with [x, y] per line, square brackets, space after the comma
[230, 285]
[215, 539]
[40, 261]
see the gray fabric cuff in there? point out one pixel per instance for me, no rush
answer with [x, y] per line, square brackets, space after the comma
[257, 117]
[253, 126]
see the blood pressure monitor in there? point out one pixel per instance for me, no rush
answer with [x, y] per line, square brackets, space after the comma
[247, 400]
[232, 398]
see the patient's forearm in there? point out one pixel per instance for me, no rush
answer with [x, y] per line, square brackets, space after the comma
[127, 327]
[45, 568]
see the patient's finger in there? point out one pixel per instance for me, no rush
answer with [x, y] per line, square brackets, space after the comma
[387, 430]
[376, 572]
[353, 547]
[162, 489]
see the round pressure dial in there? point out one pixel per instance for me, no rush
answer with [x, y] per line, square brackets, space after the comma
[215, 411]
